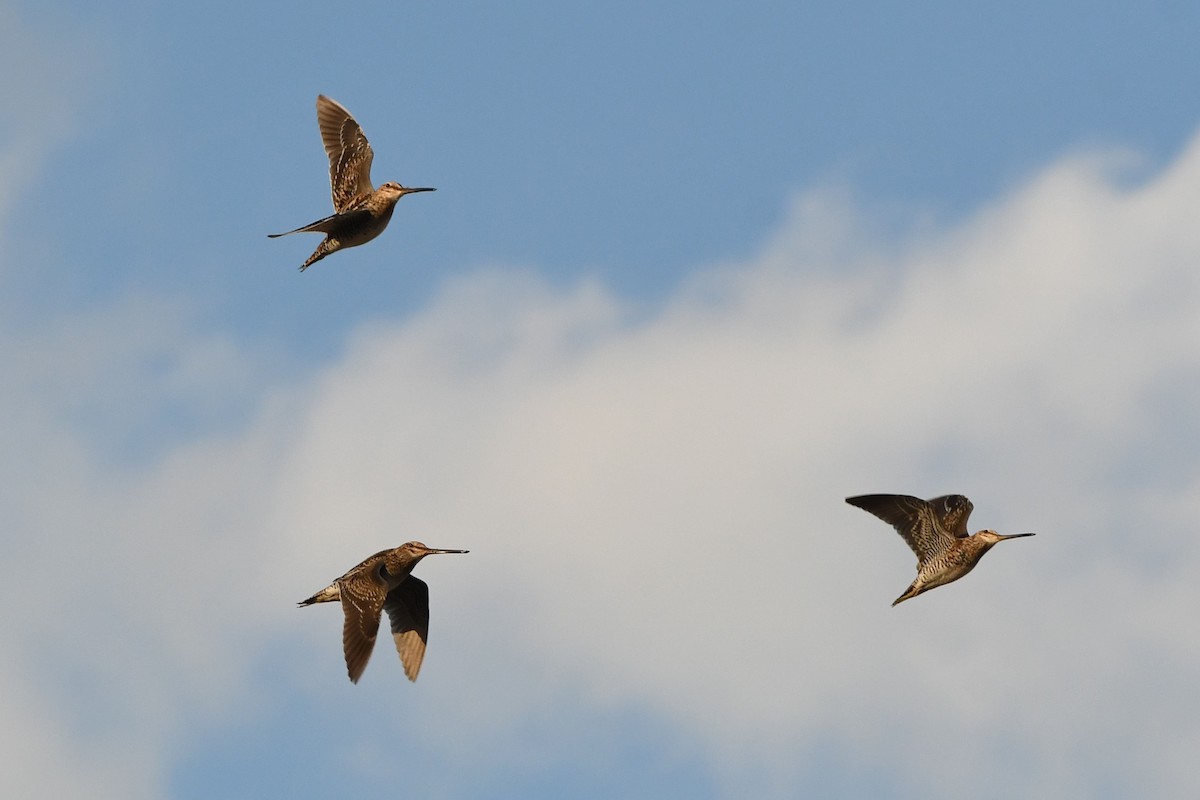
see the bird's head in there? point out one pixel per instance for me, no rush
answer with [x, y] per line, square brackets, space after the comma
[415, 551]
[991, 537]
[395, 189]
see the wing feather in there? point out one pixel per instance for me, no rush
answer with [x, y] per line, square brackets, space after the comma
[407, 607]
[363, 596]
[953, 511]
[350, 154]
[916, 520]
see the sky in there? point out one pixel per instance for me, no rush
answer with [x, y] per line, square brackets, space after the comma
[694, 273]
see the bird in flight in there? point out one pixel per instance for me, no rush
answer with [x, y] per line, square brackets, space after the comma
[381, 583]
[936, 530]
[361, 212]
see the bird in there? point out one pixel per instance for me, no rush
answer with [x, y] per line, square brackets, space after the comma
[361, 212]
[381, 583]
[936, 530]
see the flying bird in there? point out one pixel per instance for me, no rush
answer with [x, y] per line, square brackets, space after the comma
[361, 212]
[383, 583]
[936, 530]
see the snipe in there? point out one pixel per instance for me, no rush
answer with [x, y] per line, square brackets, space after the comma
[936, 530]
[383, 583]
[361, 212]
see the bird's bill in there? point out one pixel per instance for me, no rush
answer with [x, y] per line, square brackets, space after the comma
[1016, 536]
[414, 190]
[430, 551]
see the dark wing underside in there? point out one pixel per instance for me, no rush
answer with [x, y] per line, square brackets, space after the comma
[916, 520]
[331, 224]
[349, 152]
[407, 607]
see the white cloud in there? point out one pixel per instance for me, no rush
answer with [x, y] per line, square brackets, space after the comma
[654, 505]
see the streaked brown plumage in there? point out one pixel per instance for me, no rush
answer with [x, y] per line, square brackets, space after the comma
[383, 583]
[936, 530]
[361, 212]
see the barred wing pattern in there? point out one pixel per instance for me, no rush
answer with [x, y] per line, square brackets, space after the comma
[363, 596]
[929, 527]
[349, 152]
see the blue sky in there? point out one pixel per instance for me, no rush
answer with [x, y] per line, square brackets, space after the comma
[693, 274]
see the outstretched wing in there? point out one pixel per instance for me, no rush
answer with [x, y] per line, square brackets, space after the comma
[407, 607]
[349, 152]
[913, 518]
[363, 594]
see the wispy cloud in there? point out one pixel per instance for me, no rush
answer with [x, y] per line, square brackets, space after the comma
[654, 507]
